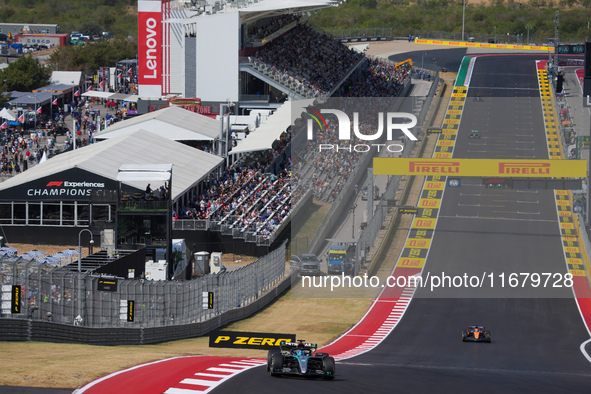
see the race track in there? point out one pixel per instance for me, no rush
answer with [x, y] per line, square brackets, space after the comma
[536, 332]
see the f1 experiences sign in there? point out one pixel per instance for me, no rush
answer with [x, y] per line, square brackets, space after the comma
[71, 185]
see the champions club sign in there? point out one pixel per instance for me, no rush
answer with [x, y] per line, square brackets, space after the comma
[65, 186]
[150, 48]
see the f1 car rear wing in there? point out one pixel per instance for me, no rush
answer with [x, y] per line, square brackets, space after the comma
[287, 346]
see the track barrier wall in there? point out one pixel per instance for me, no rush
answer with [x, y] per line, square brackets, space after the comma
[161, 310]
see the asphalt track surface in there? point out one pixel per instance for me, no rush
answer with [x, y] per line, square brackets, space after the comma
[536, 333]
[449, 58]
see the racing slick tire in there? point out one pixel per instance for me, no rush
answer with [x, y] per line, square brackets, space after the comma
[276, 364]
[270, 357]
[463, 336]
[487, 337]
[328, 366]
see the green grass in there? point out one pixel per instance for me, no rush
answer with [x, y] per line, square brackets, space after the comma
[305, 225]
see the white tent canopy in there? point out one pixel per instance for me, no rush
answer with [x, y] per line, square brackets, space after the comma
[7, 114]
[174, 123]
[263, 137]
[144, 172]
[136, 149]
[113, 96]
[72, 78]
[97, 94]
[132, 98]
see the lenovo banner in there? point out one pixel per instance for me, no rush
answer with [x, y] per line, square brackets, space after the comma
[150, 48]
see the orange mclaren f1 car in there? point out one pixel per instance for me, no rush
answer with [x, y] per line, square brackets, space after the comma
[476, 334]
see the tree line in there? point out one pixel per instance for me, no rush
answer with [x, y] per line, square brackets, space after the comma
[535, 17]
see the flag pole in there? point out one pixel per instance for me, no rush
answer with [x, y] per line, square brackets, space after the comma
[35, 97]
[73, 132]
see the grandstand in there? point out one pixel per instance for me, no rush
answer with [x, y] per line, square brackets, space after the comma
[269, 55]
[280, 58]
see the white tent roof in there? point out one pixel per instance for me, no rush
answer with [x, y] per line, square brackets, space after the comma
[43, 158]
[132, 97]
[140, 147]
[66, 77]
[263, 137]
[359, 47]
[174, 123]
[144, 172]
[7, 114]
[112, 96]
[97, 94]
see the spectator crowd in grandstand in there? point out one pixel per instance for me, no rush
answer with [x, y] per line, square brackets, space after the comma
[311, 57]
[256, 197]
[378, 80]
[270, 25]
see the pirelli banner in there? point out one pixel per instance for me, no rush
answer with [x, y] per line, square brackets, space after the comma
[482, 167]
[248, 340]
[484, 45]
[15, 299]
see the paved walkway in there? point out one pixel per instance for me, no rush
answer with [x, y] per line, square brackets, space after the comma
[61, 139]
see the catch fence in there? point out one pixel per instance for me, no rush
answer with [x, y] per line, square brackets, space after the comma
[58, 295]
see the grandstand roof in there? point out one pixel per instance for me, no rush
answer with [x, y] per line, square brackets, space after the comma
[174, 123]
[140, 147]
[263, 137]
[277, 5]
[264, 7]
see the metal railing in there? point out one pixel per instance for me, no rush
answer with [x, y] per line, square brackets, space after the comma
[51, 294]
[190, 224]
[360, 33]
[254, 97]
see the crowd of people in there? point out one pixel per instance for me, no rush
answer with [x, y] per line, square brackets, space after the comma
[326, 172]
[269, 26]
[310, 57]
[379, 79]
[23, 148]
[256, 198]
[20, 150]
[246, 198]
